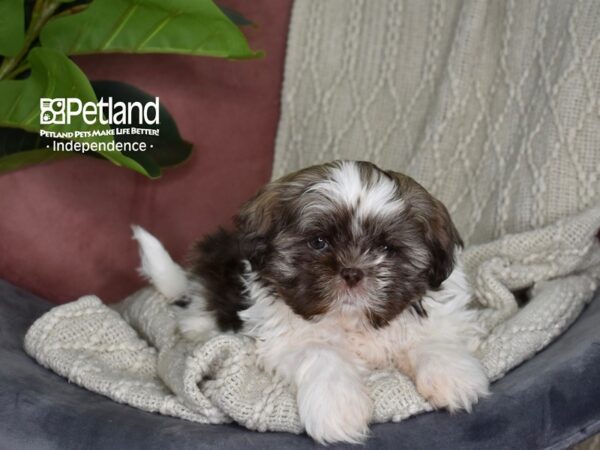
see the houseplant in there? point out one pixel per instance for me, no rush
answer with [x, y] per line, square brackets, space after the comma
[37, 38]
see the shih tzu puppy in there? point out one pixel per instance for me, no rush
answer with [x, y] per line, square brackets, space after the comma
[336, 270]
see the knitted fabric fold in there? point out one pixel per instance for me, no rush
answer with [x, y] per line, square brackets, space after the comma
[137, 357]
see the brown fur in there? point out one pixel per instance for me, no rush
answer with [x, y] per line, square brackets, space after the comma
[218, 260]
[274, 233]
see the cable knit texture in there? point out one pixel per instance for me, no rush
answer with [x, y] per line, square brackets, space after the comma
[491, 105]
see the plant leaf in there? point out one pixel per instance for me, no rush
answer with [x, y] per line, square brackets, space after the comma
[53, 75]
[235, 16]
[21, 160]
[12, 26]
[196, 27]
[165, 150]
[20, 148]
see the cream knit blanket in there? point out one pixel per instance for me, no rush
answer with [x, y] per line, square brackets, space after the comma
[493, 106]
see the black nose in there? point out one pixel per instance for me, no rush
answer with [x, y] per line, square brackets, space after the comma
[352, 275]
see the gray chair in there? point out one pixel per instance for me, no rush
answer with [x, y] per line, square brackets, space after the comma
[549, 402]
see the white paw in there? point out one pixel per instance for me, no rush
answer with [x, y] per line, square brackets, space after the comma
[335, 412]
[452, 380]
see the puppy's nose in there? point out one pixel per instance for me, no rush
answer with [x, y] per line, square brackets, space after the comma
[352, 275]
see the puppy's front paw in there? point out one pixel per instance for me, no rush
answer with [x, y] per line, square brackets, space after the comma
[335, 411]
[453, 380]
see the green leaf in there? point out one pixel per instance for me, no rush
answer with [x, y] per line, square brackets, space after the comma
[53, 75]
[17, 149]
[235, 16]
[196, 27]
[21, 160]
[12, 26]
[165, 150]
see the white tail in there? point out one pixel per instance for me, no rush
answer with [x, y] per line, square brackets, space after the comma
[166, 275]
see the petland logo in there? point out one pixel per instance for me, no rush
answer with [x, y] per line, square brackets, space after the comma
[60, 111]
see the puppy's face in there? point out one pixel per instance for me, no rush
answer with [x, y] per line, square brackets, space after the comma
[348, 236]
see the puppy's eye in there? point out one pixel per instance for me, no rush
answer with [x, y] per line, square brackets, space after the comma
[386, 248]
[317, 243]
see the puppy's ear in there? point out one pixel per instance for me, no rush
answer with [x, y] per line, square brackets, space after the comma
[442, 239]
[271, 210]
[257, 223]
[440, 234]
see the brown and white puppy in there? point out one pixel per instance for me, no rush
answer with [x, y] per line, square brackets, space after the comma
[336, 270]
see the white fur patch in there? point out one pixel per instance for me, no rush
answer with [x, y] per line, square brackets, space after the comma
[346, 187]
[196, 323]
[332, 398]
[328, 358]
[157, 267]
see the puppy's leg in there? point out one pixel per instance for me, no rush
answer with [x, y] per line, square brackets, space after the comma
[439, 355]
[332, 399]
[447, 374]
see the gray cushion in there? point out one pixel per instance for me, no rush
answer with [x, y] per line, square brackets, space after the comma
[552, 401]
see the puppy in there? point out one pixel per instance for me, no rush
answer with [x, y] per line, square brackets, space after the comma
[337, 270]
